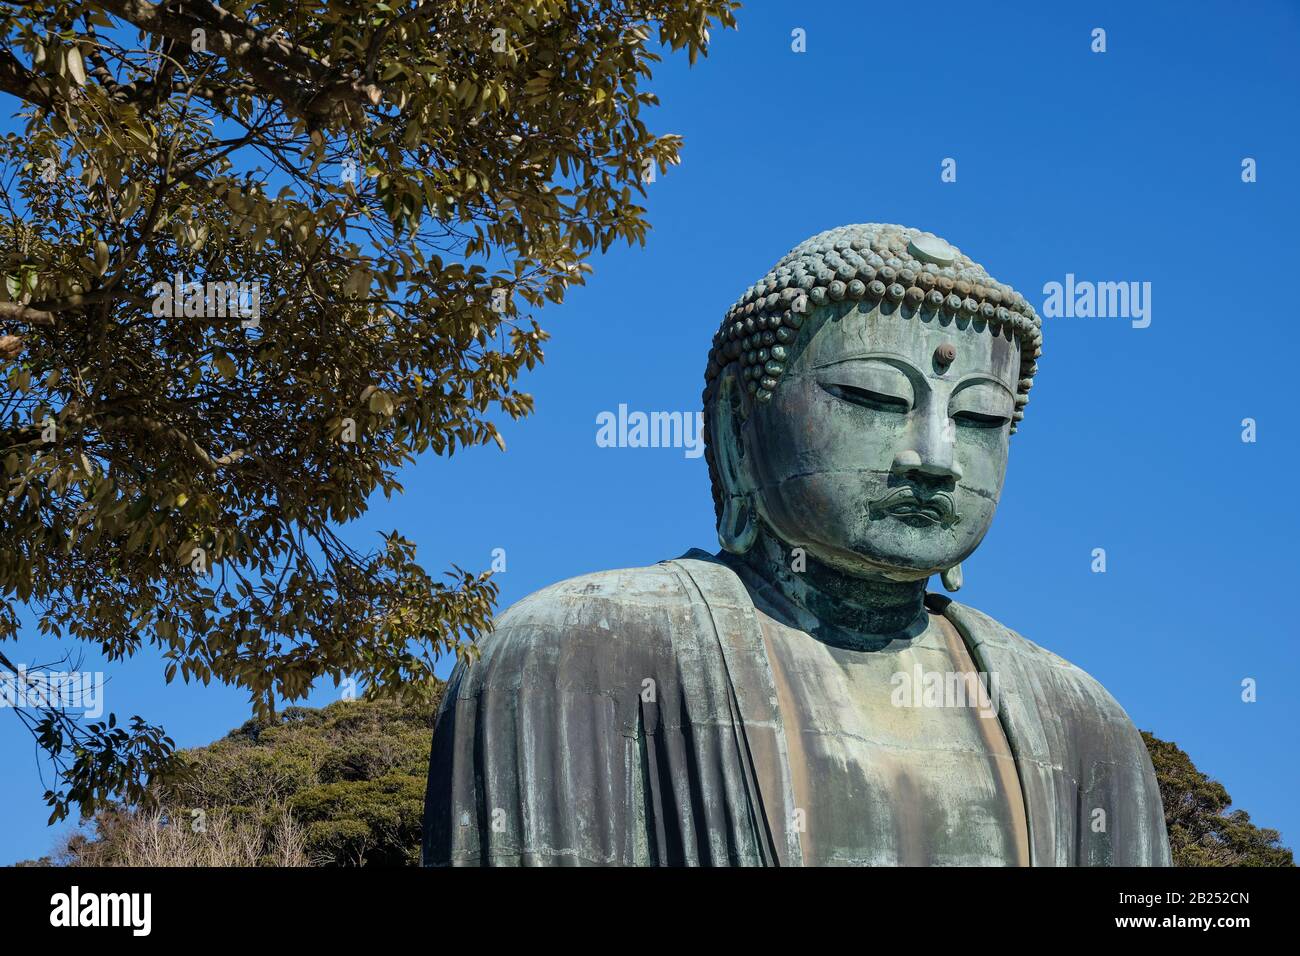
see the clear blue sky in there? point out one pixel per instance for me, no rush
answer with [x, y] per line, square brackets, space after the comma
[1117, 166]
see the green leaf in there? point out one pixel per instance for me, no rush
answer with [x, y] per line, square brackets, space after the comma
[76, 68]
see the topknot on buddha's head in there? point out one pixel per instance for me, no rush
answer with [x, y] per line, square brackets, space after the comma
[903, 271]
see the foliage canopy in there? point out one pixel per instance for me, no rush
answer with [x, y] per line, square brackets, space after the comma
[1203, 829]
[256, 258]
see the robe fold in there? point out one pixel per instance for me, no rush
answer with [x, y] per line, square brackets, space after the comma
[630, 718]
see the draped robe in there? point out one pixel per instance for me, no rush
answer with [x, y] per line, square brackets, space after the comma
[631, 718]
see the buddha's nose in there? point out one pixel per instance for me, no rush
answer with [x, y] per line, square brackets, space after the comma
[930, 456]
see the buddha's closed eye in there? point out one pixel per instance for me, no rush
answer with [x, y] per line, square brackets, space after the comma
[980, 419]
[866, 397]
[875, 385]
[981, 404]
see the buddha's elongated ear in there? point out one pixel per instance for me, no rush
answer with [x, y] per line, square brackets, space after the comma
[726, 416]
[738, 519]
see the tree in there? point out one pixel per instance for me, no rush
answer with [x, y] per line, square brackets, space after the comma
[339, 786]
[156, 837]
[257, 257]
[1201, 830]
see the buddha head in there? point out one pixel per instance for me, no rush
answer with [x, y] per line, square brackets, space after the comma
[859, 403]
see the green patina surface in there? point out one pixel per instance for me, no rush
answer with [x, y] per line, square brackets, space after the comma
[798, 698]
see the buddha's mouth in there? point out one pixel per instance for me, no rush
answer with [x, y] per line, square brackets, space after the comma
[904, 504]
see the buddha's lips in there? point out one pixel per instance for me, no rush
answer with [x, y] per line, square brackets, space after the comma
[904, 503]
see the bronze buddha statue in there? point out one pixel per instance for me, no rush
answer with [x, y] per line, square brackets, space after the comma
[798, 698]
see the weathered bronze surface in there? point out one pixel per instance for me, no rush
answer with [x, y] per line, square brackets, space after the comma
[798, 698]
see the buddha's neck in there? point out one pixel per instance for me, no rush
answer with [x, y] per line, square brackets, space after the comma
[838, 608]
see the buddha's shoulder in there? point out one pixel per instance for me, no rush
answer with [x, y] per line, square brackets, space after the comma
[1057, 684]
[597, 600]
[591, 620]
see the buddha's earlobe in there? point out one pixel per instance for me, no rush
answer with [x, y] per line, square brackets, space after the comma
[738, 522]
[738, 526]
[951, 578]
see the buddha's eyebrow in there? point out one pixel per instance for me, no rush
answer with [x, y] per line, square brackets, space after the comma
[891, 358]
[975, 378]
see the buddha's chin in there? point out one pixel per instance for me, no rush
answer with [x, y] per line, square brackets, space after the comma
[877, 560]
[895, 551]
[894, 569]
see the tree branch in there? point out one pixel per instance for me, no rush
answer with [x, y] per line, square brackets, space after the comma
[16, 312]
[21, 82]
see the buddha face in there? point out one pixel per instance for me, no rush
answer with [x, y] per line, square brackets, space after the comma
[883, 448]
